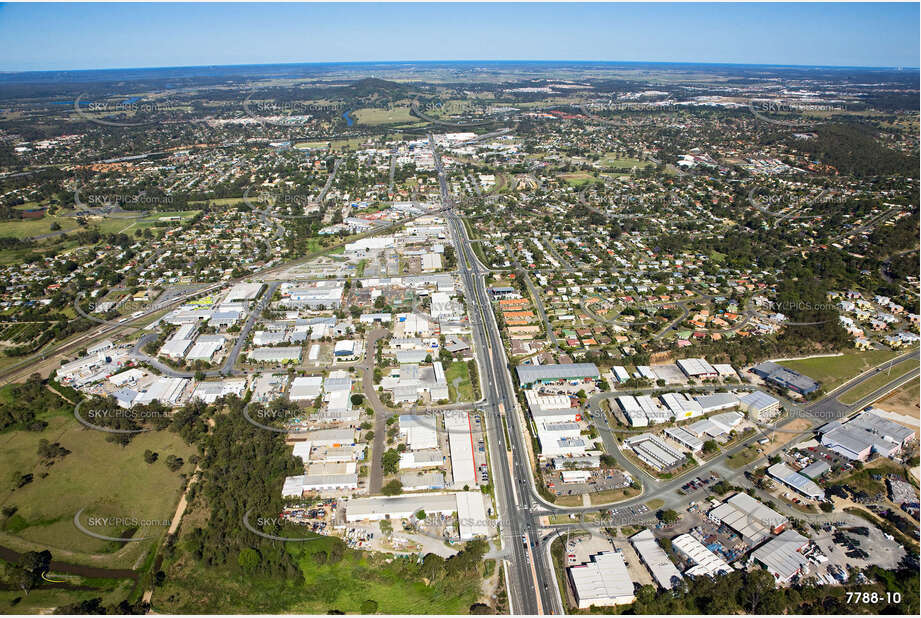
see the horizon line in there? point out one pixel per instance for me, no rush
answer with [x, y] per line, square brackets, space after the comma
[507, 61]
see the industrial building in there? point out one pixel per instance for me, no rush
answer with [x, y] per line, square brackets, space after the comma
[681, 406]
[685, 438]
[750, 519]
[632, 411]
[276, 355]
[560, 438]
[460, 440]
[655, 413]
[419, 431]
[697, 368]
[551, 408]
[469, 506]
[656, 560]
[796, 481]
[759, 406]
[654, 452]
[782, 557]
[705, 561]
[865, 434]
[780, 376]
[603, 581]
[544, 374]
[717, 401]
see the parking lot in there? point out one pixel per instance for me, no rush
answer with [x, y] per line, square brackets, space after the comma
[601, 480]
[699, 484]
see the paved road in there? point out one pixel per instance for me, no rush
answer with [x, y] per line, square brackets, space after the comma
[381, 413]
[329, 181]
[528, 574]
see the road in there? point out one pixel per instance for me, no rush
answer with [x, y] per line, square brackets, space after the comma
[529, 579]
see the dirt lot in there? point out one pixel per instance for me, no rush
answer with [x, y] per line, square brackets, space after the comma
[904, 401]
[781, 437]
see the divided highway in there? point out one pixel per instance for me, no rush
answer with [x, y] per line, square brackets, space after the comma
[530, 576]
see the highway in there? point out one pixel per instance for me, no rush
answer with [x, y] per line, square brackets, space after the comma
[530, 576]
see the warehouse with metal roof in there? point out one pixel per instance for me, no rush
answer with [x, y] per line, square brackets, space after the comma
[603, 581]
[530, 374]
[796, 481]
[656, 560]
[781, 556]
[705, 561]
[750, 519]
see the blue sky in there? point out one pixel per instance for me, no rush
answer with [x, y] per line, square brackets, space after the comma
[88, 36]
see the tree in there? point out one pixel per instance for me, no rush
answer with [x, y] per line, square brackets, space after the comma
[150, 456]
[710, 446]
[668, 516]
[390, 461]
[393, 488]
[248, 559]
[173, 462]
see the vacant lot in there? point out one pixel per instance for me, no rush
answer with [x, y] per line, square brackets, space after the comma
[833, 371]
[27, 228]
[102, 477]
[458, 378]
[878, 381]
[904, 401]
[577, 179]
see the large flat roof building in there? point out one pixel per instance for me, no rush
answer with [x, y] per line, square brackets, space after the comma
[750, 519]
[864, 434]
[603, 581]
[460, 440]
[783, 377]
[531, 374]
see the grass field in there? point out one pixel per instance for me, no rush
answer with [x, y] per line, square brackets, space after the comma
[41, 600]
[106, 479]
[27, 228]
[610, 495]
[372, 116]
[128, 226]
[463, 389]
[878, 381]
[578, 179]
[833, 371]
[744, 457]
[340, 586]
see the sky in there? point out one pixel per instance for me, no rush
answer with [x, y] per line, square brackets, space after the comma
[99, 36]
